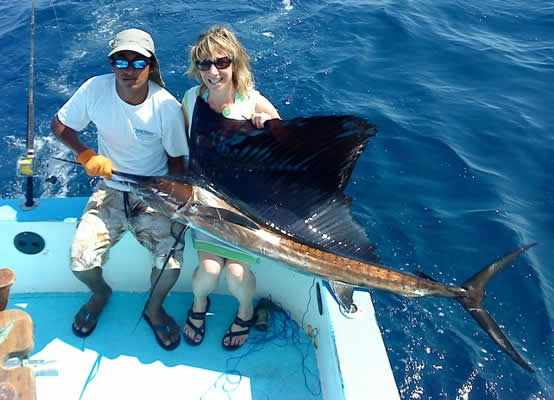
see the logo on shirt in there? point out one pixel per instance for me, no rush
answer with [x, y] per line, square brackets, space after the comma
[145, 136]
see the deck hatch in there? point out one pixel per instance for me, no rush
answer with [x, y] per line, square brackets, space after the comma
[28, 242]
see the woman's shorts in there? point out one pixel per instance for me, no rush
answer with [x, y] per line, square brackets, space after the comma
[203, 242]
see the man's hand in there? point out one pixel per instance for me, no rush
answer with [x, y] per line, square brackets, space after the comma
[95, 164]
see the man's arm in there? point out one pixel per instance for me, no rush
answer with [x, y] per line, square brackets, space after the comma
[67, 136]
[95, 164]
[176, 165]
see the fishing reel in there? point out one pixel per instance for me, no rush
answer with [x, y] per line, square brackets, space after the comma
[28, 166]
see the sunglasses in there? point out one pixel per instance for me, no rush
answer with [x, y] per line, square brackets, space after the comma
[220, 63]
[123, 64]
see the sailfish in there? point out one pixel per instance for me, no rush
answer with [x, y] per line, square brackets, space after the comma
[278, 192]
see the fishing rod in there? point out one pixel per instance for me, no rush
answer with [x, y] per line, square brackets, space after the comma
[132, 177]
[26, 165]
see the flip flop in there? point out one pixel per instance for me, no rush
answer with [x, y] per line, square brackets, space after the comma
[86, 316]
[242, 323]
[164, 328]
[198, 330]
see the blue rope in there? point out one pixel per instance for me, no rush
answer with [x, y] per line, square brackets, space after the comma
[92, 374]
[283, 331]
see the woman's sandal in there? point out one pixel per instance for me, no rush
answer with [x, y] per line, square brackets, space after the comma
[242, 323]
[198, 330]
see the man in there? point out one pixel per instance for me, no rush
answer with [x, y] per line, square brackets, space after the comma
[141, 130]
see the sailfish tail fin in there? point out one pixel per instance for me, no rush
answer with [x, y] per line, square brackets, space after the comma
[472, 301]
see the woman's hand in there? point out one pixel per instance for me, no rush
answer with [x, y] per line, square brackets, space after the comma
[258, 119]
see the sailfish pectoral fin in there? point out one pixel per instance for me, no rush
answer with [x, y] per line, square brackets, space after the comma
[343, 294]
[223, 214]
[472, 300]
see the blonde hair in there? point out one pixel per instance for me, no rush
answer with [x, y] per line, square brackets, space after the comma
[220, 39]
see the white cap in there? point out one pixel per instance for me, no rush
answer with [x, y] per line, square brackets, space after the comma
[140, 42]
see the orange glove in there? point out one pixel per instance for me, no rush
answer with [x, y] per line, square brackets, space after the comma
[95, 164]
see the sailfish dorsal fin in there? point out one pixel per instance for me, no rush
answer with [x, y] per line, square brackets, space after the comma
[289, 176]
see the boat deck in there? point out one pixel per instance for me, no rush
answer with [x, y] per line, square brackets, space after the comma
[125, 357]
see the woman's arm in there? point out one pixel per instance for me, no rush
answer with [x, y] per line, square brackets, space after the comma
[264, 111]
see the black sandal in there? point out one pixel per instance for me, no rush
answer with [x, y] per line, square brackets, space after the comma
[85, 316]
[246, 331]
[198, 330]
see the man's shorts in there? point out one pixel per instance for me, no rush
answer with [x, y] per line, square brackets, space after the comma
[107, 217]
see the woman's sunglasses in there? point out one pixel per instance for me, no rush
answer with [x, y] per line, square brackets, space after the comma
[220, 63]
[123, 64]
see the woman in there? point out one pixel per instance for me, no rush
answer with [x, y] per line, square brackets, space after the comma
[220, 63]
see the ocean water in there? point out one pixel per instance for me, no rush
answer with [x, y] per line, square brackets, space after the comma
[460, 173]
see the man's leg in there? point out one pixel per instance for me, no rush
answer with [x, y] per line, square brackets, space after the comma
[153, 230]
[101, 226]
[154, 309]
[101, 293]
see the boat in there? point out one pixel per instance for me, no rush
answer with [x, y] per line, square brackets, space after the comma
[312, 349]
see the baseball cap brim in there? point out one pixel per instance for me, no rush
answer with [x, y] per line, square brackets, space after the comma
[131, 47]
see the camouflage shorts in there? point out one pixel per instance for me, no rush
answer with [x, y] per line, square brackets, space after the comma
[107, 217]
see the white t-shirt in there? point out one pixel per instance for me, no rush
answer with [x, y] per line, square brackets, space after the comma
[135, 138]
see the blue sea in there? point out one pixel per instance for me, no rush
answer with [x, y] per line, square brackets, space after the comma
[460, 173]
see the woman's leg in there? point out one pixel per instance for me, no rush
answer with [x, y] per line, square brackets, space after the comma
[242, 284]
[204, 282]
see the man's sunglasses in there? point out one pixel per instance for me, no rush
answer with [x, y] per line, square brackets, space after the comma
[220, 63]
[123, 64]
